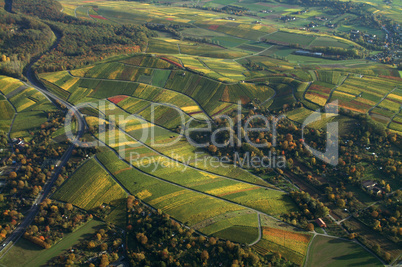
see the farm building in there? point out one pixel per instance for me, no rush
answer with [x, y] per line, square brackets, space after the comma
[320, 223]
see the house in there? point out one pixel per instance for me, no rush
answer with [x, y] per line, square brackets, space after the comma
[377, 190]
[320, 223]
[369, 185]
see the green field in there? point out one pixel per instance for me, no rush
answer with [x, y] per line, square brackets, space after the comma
[336, 252]
[25, 253]
[287, 38]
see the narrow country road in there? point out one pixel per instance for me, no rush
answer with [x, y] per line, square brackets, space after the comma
[259, 231]
[382, 99]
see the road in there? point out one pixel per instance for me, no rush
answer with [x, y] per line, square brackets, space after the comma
[259, 231]
[31, 213]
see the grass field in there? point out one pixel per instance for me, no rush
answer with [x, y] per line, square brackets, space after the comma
[286, 38]
[25, 253]
[326, 251]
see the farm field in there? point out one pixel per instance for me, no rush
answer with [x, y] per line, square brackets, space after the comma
[299, 114]
[89, 187]
[335, 252]
[182, 204]
[6, 110]
[200, 62]
[362, 93]
[319, 92]
[179, 149]
[31, 106]
[25, 253]
[291, 245]
[286, 38]
[271, 202]
[177, 173]
[187, 85]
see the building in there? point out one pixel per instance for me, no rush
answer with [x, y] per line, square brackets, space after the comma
[308, 53]
[377, 190]
[369, 185]
[320, 223]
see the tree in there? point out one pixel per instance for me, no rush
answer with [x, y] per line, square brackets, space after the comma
[91, 244]
[213, 149]
[98, 237]
[341, 203]
[34, 229]
[352, 236]
[387, 188]
[204, 255]
[376, 225]
[69, 206]
[201, 239]
[12, 175]
[103, 246]
[104, 261]
[310, 227]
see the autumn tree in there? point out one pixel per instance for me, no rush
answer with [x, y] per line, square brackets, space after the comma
[310, 227]
[204, 255]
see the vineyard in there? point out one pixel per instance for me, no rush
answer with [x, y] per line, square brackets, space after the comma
[6, 110]
[89, 187]
[361, 93]
[318, 93]
[185, 205]
[272, 202]
[31, 105]
[291, 245]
